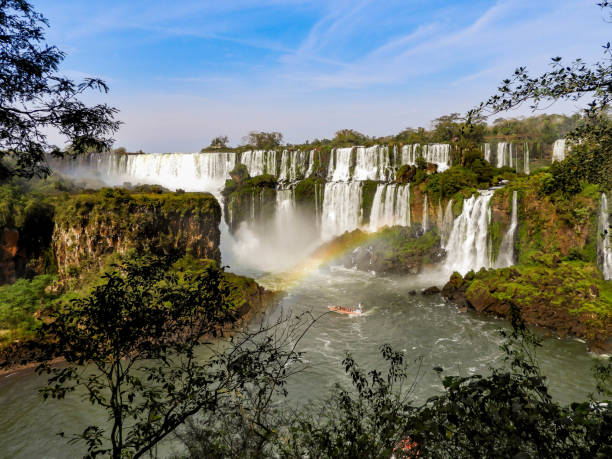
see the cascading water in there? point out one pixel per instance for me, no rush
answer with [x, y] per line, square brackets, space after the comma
[391, 206]
[604, 248]
[295, 165]
[486, 150]
[285, 209]
[254, 160]
[526, 169]
[504, 154]
[311, 163]
[505, 257]
[340, 164]
[372, 163]
[447, 223]
[467, 246]
[284, 166]
[341, 208]
[558, 153]
[437, 153]
[189, 171]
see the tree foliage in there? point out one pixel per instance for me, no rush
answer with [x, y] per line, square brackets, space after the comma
[508, 413]
[346, 137]
[263, 140]
[591, 160]
[131, 346]
[35, 98]
[219, 142]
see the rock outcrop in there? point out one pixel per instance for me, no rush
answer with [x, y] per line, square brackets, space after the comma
[568, 298]
[10, 257]
[395, 250]
[91, 226]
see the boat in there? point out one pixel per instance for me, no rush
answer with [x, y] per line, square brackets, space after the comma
[358, 311]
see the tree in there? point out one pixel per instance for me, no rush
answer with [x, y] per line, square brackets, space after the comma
[219, 142]
[446, 128]
[35, 98]
[592, 134]
[132, 344]
[410, 135]
[263, 140]
[508, 413]
[349, 137]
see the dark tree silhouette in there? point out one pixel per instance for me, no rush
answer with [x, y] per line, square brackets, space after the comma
[35, 98]
[132, 347]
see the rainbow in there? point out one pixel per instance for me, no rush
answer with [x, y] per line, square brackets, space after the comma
[325, 254]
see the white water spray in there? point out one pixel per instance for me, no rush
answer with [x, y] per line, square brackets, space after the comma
[558, 153]
[604, 248]
[391, 206]
[505, 257]
[340, 163]
[467, 245]
[341, 208]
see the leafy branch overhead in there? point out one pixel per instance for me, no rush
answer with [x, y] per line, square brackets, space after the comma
[566, 81]
[36, 99]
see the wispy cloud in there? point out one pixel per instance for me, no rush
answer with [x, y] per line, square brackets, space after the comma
[303, 65]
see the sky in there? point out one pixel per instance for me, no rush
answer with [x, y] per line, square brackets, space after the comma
[182, 72]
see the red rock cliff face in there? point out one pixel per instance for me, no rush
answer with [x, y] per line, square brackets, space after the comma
[11, 258]
[94, 226]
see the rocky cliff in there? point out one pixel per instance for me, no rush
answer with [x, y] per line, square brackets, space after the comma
[90, 226]
[26, 225]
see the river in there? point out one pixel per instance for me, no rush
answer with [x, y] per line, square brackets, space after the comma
[422, 326]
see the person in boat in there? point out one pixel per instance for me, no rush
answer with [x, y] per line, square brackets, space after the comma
[359, 309]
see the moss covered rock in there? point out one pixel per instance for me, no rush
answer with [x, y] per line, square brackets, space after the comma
[90, 226]
[395, 250]
[568, 297]
[252, 199]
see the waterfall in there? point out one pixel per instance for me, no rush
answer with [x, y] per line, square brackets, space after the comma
[505, 257]
[311, 164]
[285, 210]
[284, 166]
[558, 153]
[604, 248]
[447, 223]
[271, 163]
[391, 206]
[526, 169]
[341, 208]
[252, 206]
[425, 214]
[504, 154]
[487, 152]
[340, 164]
[317, 193]
[436, 153]
[372, 163]
[467, 244]
[254, 160]
[510, 155]
[189, 171]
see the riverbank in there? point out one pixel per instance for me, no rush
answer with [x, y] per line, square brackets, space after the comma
[570, 298]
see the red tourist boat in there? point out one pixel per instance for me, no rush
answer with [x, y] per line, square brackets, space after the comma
[358, 311]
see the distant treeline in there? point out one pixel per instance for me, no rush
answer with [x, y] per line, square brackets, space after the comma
[544, 129]
[541, 129]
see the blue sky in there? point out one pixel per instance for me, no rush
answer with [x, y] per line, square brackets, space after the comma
[184, 71]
